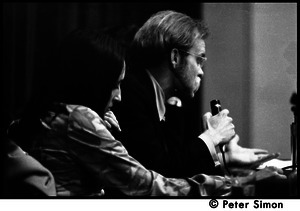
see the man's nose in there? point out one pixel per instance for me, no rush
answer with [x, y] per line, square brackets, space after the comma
[200, 72]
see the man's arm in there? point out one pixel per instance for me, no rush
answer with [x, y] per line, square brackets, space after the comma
[152, 142]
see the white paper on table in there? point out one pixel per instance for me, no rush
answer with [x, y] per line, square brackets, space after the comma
[277, 163]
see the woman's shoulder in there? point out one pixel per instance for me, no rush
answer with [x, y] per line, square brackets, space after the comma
[85, 119]
[82, 112]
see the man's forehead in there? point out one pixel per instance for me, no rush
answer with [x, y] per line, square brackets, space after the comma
[198, 46]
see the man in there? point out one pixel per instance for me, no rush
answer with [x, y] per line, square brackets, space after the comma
[167, 58]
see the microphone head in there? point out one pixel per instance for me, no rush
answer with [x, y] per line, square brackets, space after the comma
[215, 106]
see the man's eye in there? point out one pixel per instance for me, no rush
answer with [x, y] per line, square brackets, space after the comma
[200, 61]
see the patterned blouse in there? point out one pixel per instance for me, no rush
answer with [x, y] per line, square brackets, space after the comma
[85, 159]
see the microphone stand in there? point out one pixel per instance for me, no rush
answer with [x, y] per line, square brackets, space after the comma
[292, 176]
[215, 106]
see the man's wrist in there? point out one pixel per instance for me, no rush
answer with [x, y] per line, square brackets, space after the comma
[206, 136]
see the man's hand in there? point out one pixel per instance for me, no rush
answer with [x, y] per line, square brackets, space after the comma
[270, 172]
[219, 127]
[111, 121]
[239, 156]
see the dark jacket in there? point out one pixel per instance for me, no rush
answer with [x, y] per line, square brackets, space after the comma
[157, 144]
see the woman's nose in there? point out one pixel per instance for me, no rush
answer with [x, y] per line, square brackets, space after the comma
[118, 95]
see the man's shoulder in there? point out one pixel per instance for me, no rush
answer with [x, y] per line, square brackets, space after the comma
[137, 78]
[137, 85]
[138, 96]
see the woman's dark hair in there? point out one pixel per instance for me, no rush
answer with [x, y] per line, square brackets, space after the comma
[84, 71]
[90, 63]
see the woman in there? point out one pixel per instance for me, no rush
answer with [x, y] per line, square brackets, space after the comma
[69, 128]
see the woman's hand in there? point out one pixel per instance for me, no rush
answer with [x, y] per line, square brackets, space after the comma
[111, 121]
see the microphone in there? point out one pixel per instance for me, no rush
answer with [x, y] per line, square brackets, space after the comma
[215, 106]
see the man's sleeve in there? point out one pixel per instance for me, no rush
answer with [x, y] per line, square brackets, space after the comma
[211, 147]
[148, 141]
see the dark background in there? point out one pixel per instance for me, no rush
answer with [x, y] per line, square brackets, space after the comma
[32, 31]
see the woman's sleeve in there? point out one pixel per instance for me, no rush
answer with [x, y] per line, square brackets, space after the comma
[110, 163]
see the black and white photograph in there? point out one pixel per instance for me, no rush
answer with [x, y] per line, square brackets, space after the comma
[145, 101]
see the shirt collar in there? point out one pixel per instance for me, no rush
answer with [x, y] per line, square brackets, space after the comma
[159, 97]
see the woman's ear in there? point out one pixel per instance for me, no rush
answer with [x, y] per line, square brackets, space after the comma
[175, 58]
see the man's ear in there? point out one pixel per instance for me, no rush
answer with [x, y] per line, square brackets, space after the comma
[175, 58]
